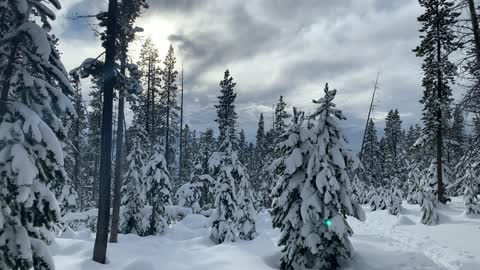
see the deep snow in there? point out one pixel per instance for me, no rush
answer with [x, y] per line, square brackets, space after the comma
[382, 242]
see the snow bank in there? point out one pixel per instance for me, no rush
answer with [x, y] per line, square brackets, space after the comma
[382, 242]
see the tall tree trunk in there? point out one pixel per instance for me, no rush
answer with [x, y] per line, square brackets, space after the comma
[167, 134]
[101, 238]
[96, 176]
[181, 132]
[153, 131]
[76, 167]
[439, 135]
[119, 154]
[475, 29]
[148, 105]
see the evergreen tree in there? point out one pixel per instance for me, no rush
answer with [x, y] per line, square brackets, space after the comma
[393, 144]
[94, 116]
[471, 190]
[169, 105]
[190, 148]
[291, 171]
[133, 191]
[198, 193]
[370, 156]
[281, 116]
[76, 152]
[437, 44]
[358, 191]
[456, 145]
[34, 96]
[147, 108]
[242, 147]
[457, 137]
[382, 156]
[428, 199]
[260, 154]
[224, 165]
[206, 148]
[323, 195]
[246, 212]
[373, 199]
[414, 187]
[266, 178]
[158, 190]
[226, 115]
[394, 200]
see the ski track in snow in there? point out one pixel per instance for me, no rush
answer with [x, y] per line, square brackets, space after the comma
[382, 242]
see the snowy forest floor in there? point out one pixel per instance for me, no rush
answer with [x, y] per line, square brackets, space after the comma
[382, 242]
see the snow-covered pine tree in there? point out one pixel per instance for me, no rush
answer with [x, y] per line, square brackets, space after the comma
[471, 190]
[428, 199]
[226, 115]
[393, 137]
[223, 165]
[429, 213]
[242, 147]
[158, 190]
[133, 191]
[281, 117]
[198, 192]
[290, 168]
[373, 198]
[438, 42]
[414, 187]
[260, 154]
[34, 95]
[370, 157]
[325, 193]
[207, 146]
[358, 191]
[378, 199]
[432, 177]
[456, 137]
[246, 212]
[266, 175]
[394, 199]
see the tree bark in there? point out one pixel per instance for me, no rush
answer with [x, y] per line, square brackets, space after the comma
[119, 155]
[101, 239]
[76, 145]
[167, 132]
[439, 135]
[474, 20]
[180, 167]
[147, 114]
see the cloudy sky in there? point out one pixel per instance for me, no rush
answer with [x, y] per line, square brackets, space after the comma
[277, 47]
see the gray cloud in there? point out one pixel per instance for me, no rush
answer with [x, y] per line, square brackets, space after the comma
[291, 48]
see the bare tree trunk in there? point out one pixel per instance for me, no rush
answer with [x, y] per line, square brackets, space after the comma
[119, 155]
[101, 238]
[474, 20]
